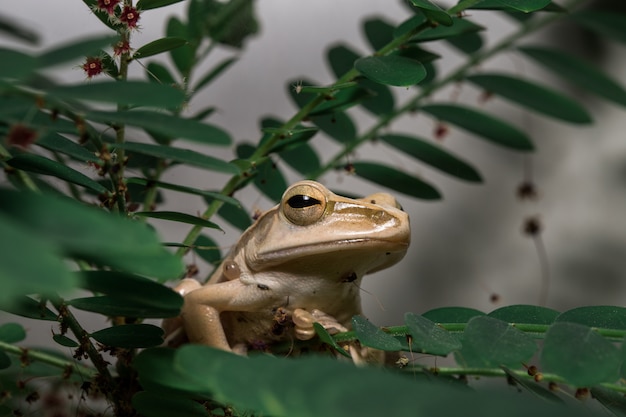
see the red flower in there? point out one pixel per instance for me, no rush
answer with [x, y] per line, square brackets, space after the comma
[107, 5]
[93, 66]
[121, 48]
[129, 16]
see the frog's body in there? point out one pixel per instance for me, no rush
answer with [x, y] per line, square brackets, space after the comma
[301, 261]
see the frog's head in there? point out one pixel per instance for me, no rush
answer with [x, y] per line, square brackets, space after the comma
[313, 228]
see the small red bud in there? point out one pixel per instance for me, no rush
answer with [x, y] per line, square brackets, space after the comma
[21, 136]
[92, 66]
[129, 16]
[107, 5]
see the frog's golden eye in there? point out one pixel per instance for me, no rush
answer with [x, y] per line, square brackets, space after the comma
[303, 204]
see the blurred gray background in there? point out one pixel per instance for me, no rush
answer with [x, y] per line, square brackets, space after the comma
[467, 249]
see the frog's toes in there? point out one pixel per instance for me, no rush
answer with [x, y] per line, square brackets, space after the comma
[303, 321]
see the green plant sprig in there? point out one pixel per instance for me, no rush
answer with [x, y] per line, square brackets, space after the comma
[265, 148]
[413, 104]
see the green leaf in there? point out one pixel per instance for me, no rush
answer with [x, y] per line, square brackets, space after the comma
[608, 317]
[428, 337]
[160, 74]
[5, 362]
[526, 314]
[302, 158]
[137, 93]
[481, 124]
[207, 249]
[159, 46]
[578, 72]
[130, 336]
[44, 166]
[43, 271]
[208, 195]
[396, 180]
[27, 307]
[452, 314]
[185, 156]
[16, 65]
[270, 180]
[328, 339]
[65, 341]
[370, 335]
[17, 31]
[165, 124]
[76, 50]
[433, 155]
[488, 342]
[214, 73]
[12, 333]
[114, 306]
[525, 6]
[614, 401]
[132, 288]
[341, 60]
[157, 372]
[87, 233]
[155, 405]
[338, 126]
[606, 23]
[58, 143]
[184, 56]
[378, 32]
[391, 70]
[579, 355]
[154, 4]
[533, 96]
[178, 217]
[235, 216]
[460, 27]
[433, 12]
[469, 43]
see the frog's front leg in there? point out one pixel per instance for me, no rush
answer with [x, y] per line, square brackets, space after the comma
[202, 307]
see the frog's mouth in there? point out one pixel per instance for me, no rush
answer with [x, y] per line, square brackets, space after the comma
[378, 253]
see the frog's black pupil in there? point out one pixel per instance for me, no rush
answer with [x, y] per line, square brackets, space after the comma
[302, 201]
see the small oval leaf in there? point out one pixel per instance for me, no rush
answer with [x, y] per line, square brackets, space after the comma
[580, 355]
[396, 180]
[391, 70]
[65, 341]
[488, 343]
[533, 96]
[113, 306]
[44, 166]
[433, 155]
[137, 93]
[578, 72]
[370, 335]
[428, 337]
[130, 336]
[452, 314]
[12, 333]
[165, 124]
[607, 317]
[481, 124]
[526, 314]
[186, 156]
[159, 46]
[178, 217]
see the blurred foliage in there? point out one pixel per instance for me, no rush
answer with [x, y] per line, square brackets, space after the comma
[71, 216]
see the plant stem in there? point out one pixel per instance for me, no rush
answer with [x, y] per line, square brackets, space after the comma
[61, 363]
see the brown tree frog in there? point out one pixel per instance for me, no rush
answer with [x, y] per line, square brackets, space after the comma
[301, 262]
